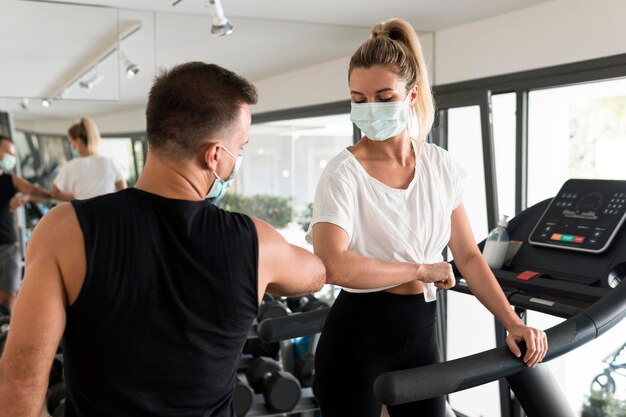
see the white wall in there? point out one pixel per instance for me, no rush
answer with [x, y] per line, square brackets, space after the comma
[553, 33]
[323, 83]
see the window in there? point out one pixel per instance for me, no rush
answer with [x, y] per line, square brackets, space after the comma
[575, 132]
[282, 164]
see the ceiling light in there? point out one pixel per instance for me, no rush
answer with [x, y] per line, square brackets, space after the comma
[46, 102]
[221, 25]
[24, 103]
[130, 68]
[91, 82]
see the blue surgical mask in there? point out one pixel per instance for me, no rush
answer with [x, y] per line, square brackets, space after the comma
[8, 161]
[379, 121]
[220, 186]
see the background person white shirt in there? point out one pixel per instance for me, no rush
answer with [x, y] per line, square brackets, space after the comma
[89, 176]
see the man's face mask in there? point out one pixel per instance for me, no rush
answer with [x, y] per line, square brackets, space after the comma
[380, 121]
[8, 161]
[220, 186]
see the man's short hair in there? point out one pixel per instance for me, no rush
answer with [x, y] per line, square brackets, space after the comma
[2, 137]
[192, 103]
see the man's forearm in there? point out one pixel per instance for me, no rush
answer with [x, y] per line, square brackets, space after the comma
[20, 402]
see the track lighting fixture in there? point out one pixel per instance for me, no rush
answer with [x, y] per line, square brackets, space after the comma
[130, 68]
[221, 25]
[91, 82]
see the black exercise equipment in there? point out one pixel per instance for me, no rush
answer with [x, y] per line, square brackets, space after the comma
[280, 389]
[54, 397]
[295, 325]
[305, 303]
[257, 347]
[243, 398]
[4, 311]
[60, 410]
[56, 371]
[271, 309]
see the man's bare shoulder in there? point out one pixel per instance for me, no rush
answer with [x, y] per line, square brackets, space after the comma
[58, 227]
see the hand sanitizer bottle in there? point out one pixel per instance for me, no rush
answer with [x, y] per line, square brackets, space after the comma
[497, 244]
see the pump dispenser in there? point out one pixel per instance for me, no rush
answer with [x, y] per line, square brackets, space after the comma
[497, 244]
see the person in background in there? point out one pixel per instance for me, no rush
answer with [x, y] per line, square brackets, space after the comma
[14, 192]
[154, 288]
[88, 174]
[384, 211]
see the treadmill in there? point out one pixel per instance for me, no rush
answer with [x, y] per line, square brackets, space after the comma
[571, 264]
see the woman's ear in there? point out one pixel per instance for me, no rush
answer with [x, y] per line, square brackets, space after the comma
[414, 94]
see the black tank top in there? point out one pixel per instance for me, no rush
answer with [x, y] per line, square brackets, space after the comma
[7, 219]
[169, 295]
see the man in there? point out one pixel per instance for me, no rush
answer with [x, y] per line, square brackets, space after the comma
[154, 288]
[14, 193]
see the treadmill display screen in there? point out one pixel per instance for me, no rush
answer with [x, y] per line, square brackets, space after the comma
[584, 216]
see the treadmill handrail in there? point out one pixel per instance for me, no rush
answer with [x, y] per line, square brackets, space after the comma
[399, 387]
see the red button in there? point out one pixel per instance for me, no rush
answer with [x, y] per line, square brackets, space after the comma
[579, 239]
[527, 275]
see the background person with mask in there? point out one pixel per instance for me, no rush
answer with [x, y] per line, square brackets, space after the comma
[87, 174]
[14, 192]
[153, 288]
[384, 211]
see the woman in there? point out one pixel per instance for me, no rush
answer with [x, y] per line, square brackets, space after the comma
[384, 211]
[89, 174]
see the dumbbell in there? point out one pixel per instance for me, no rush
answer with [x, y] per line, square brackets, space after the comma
[257, 347]
[271, 308]
[60, 410]
[305, 303]
[54, 397]
[243, 397]
[56, 371]
[280, 389]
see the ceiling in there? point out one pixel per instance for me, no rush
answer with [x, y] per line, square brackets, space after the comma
[50, 46]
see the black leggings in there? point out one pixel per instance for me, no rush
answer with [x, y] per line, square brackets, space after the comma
[366, 335]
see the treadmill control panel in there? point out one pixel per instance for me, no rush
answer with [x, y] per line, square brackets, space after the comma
[584, 216]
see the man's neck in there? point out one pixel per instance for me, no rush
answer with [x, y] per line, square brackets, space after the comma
[172, 179]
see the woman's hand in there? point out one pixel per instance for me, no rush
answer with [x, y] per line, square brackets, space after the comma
[439, 273]
[536, 343]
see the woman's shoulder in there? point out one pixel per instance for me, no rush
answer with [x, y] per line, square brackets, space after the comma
[340, 165]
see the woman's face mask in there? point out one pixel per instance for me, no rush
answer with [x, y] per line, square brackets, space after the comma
[380, 121]
[220, 186]
[8, 161]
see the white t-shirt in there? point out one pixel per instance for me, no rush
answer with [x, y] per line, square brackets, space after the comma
[89, 176]
[390, 224]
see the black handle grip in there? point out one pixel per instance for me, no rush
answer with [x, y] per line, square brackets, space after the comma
[295, 325]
